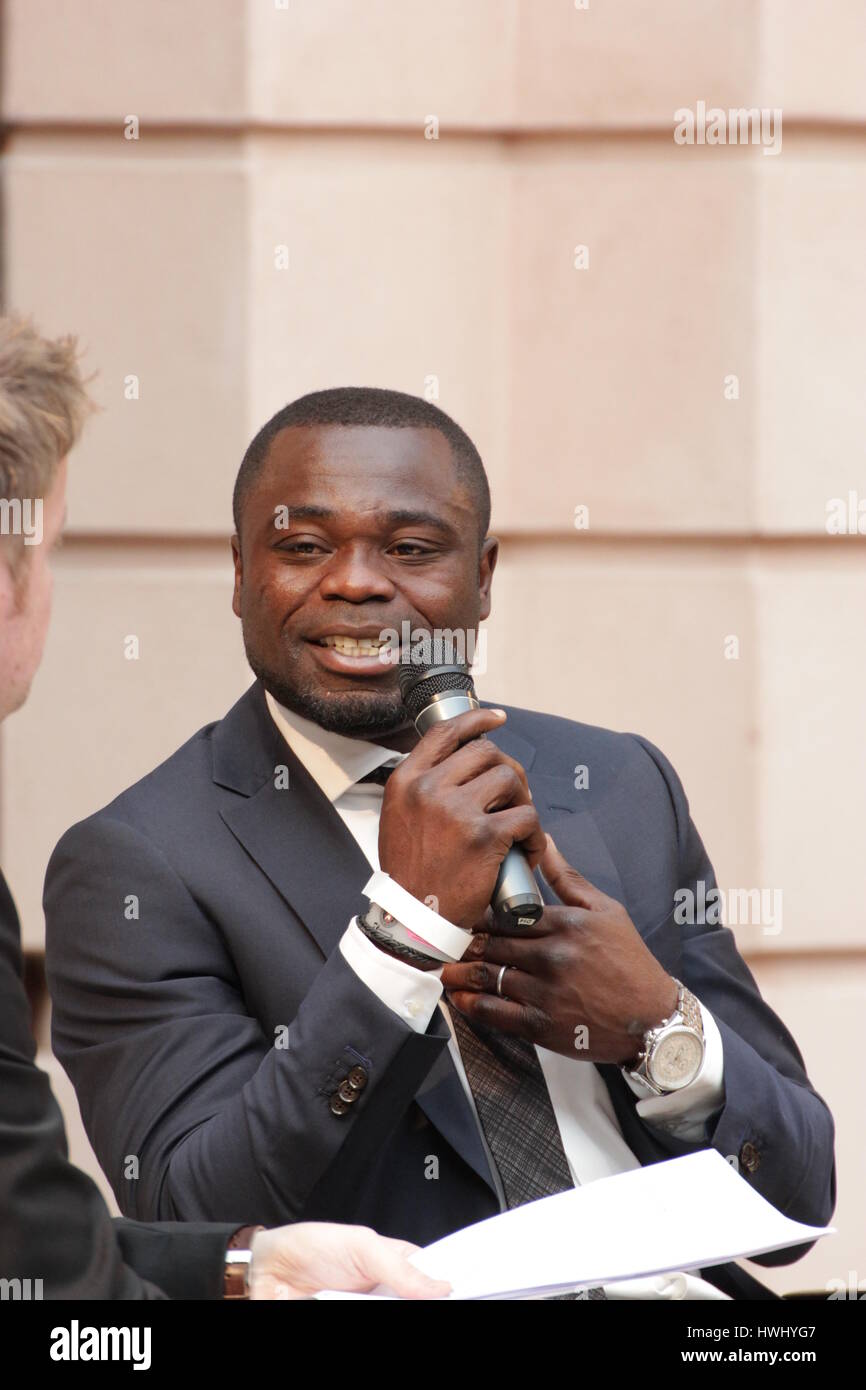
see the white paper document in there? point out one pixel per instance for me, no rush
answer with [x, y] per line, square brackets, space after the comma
[686, 1213]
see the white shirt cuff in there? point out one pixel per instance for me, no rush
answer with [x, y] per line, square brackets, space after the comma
[410, 993]
[684, 1113]
[449, 941]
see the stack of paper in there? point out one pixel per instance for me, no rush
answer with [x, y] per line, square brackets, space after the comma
[686, 1213]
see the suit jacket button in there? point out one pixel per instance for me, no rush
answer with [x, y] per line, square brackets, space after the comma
[338, 1105]
[357, 1078]
[750, 1158]
[346, 1093]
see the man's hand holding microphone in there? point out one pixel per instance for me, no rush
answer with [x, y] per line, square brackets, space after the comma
[453, 811]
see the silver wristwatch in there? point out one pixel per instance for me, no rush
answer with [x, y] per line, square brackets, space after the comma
[673, 1051]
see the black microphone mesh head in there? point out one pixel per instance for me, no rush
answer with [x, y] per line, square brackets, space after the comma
[429, 668]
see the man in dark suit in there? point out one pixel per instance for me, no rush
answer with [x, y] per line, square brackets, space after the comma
[54, 1225]
[57, 1239]
[232, 1040]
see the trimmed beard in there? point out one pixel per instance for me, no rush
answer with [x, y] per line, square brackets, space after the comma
[353, 714]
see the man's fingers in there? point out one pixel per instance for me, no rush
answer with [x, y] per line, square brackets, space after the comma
[386, 1262]
[522, 826]
[534, 847]
[499, 787]
[485, 922]
[501, 1015]
[568, 883]
[480, 977]
[521, 950]
[446, 737]
[477, 759]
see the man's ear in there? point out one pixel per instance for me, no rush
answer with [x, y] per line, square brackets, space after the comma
[239, 575]
[486, 566]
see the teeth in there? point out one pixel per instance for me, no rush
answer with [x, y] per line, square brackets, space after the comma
[350, 646]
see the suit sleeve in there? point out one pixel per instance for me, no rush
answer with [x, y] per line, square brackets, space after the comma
[193, 1112]
[773, 1122]
[186, 1259]
[54, 1225]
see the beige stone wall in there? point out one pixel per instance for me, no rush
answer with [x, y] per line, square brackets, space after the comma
[411, 258]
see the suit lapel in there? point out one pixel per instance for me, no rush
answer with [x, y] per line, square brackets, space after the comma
[576, 834]
[442, 1098]
[292, 832]
[299, 841]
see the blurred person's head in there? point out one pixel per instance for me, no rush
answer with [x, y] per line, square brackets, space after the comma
[43, 404]
[357, 511]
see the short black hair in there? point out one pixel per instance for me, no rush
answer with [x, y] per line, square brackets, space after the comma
[368, 405]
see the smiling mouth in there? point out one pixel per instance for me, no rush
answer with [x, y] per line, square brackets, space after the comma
[355, 646]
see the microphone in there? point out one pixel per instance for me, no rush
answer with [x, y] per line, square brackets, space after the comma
[441, 688]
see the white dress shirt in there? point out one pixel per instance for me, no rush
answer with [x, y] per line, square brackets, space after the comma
[591, 1137]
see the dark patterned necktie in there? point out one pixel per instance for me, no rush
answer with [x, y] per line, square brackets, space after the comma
[517, 1117]
[514, 1108]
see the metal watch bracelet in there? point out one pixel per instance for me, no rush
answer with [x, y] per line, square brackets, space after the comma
[686, 1014]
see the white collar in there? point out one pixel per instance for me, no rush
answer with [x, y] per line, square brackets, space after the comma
[335, 761]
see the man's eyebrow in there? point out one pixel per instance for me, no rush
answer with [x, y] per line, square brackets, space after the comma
[400, 516]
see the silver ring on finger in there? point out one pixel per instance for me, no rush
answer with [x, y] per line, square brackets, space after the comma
[499, 979]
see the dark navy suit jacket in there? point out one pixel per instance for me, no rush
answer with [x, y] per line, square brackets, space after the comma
[54, 1225]
[197, 918]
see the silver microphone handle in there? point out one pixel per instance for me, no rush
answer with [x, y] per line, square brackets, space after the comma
[516, 899]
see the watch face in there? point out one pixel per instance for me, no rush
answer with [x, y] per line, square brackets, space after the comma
[677, 1059]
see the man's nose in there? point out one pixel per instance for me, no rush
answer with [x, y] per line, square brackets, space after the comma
[356, 575]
